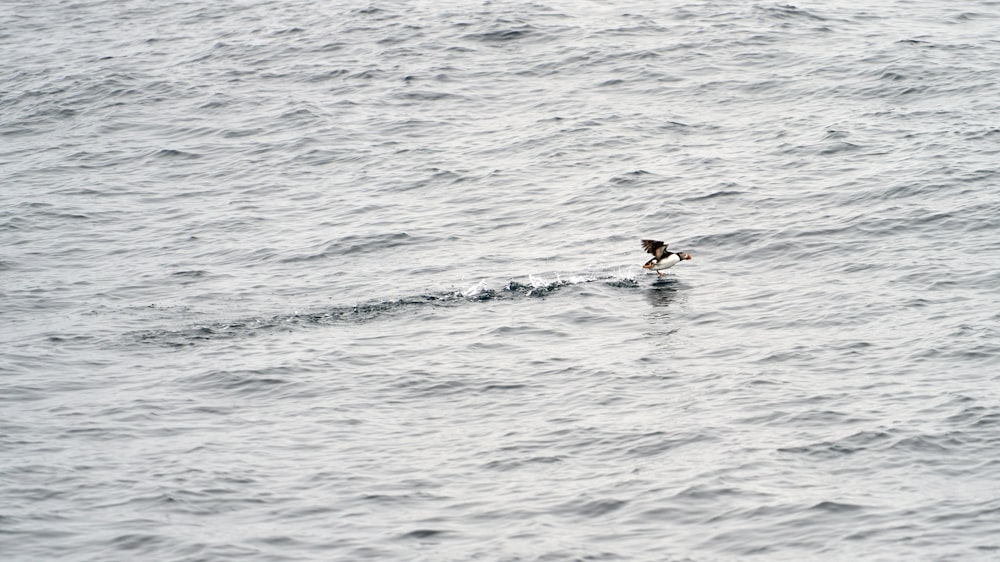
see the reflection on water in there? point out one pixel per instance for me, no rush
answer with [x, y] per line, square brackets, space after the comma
[663, 292]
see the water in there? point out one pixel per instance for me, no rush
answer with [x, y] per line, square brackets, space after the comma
[333, 281]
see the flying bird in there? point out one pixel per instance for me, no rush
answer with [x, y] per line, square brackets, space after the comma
[662, 259]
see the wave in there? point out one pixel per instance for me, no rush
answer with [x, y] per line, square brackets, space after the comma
[533, 287]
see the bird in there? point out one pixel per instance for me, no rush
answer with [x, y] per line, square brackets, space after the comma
[662, 259]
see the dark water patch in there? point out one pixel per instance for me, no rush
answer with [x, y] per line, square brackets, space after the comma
[657, 444]
[426, 95]
[836, 507]
[969, 16]
[838, 147]
[370, 11]
[675, 126]
[891, 75]
[137, 541]
[191, 273]
[511, 464]
[174, 154]
[808, 418]
[423, 534]
[288, 31]
[369, 74]
[786, 12]
[976, 417]
[422, 383]
[594, 508]
[715, 492]
[633, 178]
[502, 387]
[358, 243]
[713, 195]
[611, 83]
[247, 381]
[501, 35]
[855, 443]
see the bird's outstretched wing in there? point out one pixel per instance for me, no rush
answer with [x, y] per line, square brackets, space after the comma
[655, 247]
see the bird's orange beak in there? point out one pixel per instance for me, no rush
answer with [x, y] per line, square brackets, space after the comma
[647, 266]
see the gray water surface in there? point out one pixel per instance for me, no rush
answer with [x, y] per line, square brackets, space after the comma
[340, 281]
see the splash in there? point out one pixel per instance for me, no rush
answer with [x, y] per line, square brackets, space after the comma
[475, 290]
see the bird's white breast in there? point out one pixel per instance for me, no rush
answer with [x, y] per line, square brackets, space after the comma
[667, 262]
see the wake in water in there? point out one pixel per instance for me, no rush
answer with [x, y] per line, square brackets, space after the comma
[533, 287]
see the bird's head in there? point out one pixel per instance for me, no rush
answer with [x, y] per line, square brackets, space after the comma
[684, 255]
[649, 264]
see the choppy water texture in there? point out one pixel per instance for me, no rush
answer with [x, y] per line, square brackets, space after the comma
[335, 281]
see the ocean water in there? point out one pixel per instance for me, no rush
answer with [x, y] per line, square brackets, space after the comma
[361, 281]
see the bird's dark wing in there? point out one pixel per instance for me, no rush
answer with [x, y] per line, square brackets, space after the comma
[654, 247]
